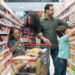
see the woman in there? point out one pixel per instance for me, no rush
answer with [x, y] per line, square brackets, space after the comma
[31, 27]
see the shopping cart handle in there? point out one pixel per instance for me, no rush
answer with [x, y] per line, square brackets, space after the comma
[30, 60]
[37, 45]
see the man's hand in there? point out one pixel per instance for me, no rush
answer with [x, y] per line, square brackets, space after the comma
[46, 41]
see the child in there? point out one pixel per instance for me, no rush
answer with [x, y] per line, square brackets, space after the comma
[64, 50]
[14, 41]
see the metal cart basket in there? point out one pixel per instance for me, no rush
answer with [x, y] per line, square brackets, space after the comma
[37, 63]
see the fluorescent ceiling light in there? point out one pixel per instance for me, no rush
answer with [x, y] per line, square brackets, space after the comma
[21, 7]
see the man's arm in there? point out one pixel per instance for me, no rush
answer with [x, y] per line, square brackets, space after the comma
[40, 36]
[62, 23]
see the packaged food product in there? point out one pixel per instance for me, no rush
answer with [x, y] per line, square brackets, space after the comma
[2, 68]
[7, 64]
[18, 64]
[33, 52]
[1, 58]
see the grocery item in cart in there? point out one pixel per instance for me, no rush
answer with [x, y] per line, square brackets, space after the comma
[18, 64]
[33, 52]
[24, 67]
[34, 65]
[22, 57]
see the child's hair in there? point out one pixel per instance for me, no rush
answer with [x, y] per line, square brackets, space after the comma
[11, 33]
[61, 30]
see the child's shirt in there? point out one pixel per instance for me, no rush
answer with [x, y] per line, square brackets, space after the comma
[19, 50]
[64, 47]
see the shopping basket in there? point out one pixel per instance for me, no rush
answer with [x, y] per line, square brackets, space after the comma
[34, 62]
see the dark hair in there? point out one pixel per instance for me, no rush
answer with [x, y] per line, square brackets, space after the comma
[47, 7]
[36, 21]
[11, 33]
[61, 30]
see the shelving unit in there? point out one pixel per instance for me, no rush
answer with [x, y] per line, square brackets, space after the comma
[9, 18]
[4, 51]
[2, 32]
[7, 70]
[72, 63]
[70, 72]
[73, 53]
[68, 15]
[4, 42]
[7, 21]
[4, 5]
[3, 62]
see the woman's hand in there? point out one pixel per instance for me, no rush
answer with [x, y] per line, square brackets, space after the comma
[19, 42]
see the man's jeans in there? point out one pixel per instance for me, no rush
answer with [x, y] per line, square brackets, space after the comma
[60, 66]
[53, 53]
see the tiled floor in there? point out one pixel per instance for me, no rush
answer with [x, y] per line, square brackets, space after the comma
[51, 67]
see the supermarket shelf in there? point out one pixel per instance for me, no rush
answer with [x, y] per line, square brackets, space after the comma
[69, 72]
[72, 43]
[66, 8]
[6, 25]
[4, 5]
[6, 70]
[67, 14]
[72, 63]
[4, 51]
[71, 22]
[9, 18]
[2, 32]
[4, 42]
[73, 53]
[17, 26]
[3, 62]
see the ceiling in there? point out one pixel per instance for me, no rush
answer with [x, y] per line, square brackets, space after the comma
[19, 7]
[31, 0]
[25, 6]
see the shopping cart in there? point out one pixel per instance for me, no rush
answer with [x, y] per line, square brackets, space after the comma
[33, 64]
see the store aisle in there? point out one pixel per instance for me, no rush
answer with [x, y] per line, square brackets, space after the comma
[51, 66]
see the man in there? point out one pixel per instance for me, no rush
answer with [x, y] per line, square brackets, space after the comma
[49, 26]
